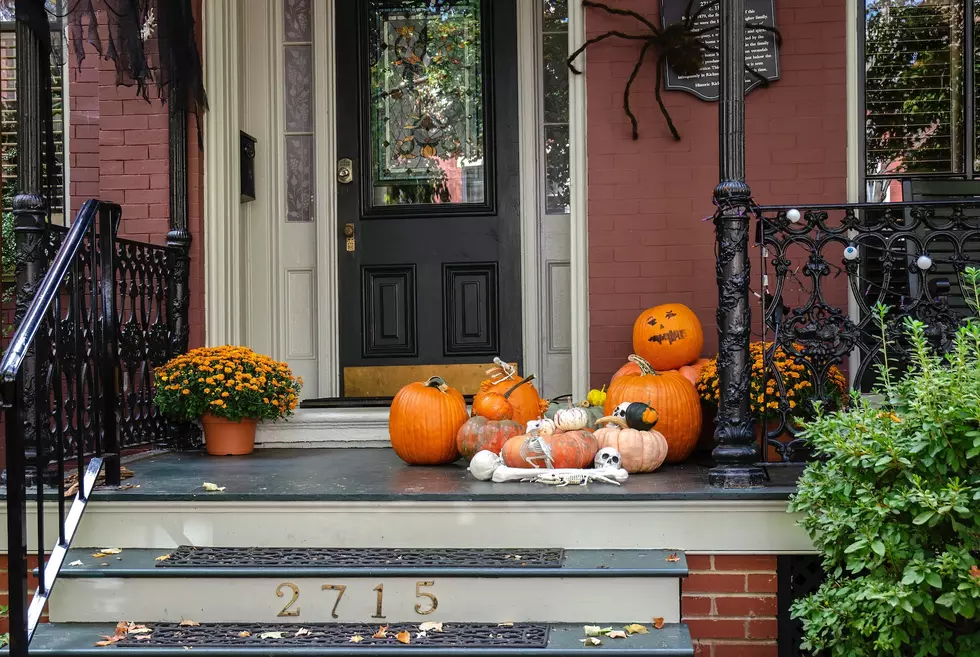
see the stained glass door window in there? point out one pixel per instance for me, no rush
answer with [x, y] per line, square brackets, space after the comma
[427, 102]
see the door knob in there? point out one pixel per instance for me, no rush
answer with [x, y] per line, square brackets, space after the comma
[345, 171]
[349, 234]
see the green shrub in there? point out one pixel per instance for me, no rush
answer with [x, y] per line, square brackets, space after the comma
[892, 507]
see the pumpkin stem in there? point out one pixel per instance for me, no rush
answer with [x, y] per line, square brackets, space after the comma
[526, 379]
[437, 382]
[645, 367]
[611, 419]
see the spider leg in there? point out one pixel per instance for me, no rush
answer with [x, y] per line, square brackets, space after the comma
[766, 28]
[687, 11]
[597, 39]
[624, 12]
[705, 30]
[759, 76]
[629, 84]
[660, 100]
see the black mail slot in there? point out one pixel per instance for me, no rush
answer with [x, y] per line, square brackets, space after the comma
[247, 146]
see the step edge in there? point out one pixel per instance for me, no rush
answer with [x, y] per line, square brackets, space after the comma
[231, 572]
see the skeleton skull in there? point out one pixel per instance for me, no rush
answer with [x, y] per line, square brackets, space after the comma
[620, 411]
[608, 457]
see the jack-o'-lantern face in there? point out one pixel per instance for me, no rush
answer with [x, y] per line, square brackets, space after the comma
[668, 336]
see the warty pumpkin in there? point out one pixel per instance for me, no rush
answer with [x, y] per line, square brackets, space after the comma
[568, 449]
[424, 420]
[642, 451]
[675, 399]
[491, 425]
[668, 336]
[525, 400]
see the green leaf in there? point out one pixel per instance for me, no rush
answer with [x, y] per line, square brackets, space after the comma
[923, 517]
[878, 547]
[934, 580]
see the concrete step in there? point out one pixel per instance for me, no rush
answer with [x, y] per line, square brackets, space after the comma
[469, 639]
[319, 585]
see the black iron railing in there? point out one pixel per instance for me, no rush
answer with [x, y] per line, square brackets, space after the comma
[95, 314]
[824, 270]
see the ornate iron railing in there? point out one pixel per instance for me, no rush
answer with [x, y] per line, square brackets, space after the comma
[824, 269]
[94, 315]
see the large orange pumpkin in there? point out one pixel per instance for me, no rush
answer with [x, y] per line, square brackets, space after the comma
[642, 451]
[689, 372]
[525, 399]
[675, 399]
[424, 420]
[569, 449]
[480, 433]
[668, 336]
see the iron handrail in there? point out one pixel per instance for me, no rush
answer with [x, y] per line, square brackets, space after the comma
[21, 414]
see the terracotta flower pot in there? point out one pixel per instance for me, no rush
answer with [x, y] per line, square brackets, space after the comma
[226, 438]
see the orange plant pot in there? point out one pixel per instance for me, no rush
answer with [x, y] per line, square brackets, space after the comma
[227, 438]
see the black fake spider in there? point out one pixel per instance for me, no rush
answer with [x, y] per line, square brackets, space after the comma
[678, 44]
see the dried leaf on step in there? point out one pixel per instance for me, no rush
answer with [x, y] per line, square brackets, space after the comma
[507, 624]
[595, 630]
[381, 633]
[111, 550]
[617, 634]
[404, 637]
[122, 627]
[138, 629]
[271, 635]
[302, 632]
[244, 634]
[636, 628]
[673, 557]
[144, 637]
[189, 623]
[162, 557]
[128, 486]
[212, 488]
[109, 640]
[591, 641]
[658, 623]
[77, 562]
[357, 638]
[103, 564]
[430, 625]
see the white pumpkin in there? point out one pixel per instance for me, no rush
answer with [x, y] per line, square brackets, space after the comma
[542, 427]
[572, 419]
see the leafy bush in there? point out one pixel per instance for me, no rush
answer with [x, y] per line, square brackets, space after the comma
[229, 382]
[893, 509]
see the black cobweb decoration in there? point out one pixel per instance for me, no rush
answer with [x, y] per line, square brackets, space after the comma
[677, 45]
[152, 43]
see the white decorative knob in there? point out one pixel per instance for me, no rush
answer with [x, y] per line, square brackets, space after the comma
[851, 252]
[793, 215]
[923, 262]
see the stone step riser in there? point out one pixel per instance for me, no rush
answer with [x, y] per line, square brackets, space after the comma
[258, 599]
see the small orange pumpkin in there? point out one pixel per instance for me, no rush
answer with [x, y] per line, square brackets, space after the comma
[668, 336]
[480, 433]
[424, 420]
[642, 451]
[675, 399]
[525, 400]
[568, 449]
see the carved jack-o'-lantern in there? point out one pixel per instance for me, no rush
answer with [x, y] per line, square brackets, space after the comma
[668, 336]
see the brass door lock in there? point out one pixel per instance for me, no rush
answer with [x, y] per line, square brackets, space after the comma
[349, 234]
[345, 171]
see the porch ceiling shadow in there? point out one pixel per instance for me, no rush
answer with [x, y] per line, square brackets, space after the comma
[376, 474]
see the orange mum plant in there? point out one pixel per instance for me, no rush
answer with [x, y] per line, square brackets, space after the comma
[764, 393]
[229, 382]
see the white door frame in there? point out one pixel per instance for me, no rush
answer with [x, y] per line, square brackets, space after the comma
[228, 289]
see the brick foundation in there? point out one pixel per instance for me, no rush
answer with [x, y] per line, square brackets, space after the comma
[729, 603]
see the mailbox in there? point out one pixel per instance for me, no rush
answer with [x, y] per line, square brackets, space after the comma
[247, 159]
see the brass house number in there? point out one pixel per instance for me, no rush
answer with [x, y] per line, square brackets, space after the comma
[427, 606]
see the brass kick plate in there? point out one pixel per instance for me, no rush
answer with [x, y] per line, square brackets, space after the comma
[387, 380]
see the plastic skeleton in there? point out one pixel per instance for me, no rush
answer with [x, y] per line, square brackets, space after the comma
[582, 478]
[487, 466]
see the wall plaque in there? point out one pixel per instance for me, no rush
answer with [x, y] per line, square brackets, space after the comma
[761, 51]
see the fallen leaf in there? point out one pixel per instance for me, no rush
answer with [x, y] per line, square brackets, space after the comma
[77, 562]
[658, 623]
[673, 557]
[508, 624]
[357, 638]
[111, 551]
[617, 634]
[98, 555]
[103, 564]
[381, 633]
[244, 634]
[636, 628]
[595, 630]
[122, 627]
[212, 488]
[162, 557]
[139, 629]
[144, 637]
[421, 635]
[430, 625]
[591, 641]
[302, 632]
[271, 635]
[128, 486]
[404, 637]
[189, 623]
[109, 640]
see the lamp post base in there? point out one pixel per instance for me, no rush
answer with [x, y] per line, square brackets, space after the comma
[736, 476]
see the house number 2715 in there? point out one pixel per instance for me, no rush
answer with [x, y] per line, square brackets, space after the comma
[288, 589]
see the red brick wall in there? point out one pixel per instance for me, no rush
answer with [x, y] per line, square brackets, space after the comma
[647, 198]
[119, 151]
[729, 603]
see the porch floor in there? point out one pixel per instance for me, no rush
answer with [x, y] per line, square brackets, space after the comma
[376, 474]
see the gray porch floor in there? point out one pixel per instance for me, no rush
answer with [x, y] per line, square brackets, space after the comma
[375, 474]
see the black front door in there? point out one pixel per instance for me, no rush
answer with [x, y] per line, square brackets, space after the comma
[428, 215]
